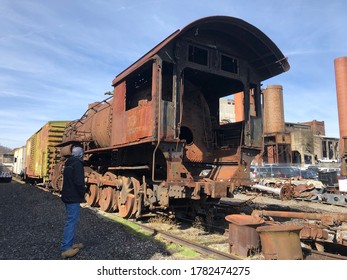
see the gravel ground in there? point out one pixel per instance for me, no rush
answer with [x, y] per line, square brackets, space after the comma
[32, 222]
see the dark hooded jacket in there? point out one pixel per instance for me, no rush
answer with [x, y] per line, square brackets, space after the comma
[73, 183]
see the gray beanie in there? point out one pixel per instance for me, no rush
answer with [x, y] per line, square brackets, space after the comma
[77, 152]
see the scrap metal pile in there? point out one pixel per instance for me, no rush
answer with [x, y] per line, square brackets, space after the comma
[316, 228]
[284, 234]
[304, 189]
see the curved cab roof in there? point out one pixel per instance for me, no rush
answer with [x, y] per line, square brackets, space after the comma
[249, 42]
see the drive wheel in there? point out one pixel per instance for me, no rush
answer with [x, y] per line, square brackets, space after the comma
[107, 199]
[93, 191]
[126, 202]
[57, 183]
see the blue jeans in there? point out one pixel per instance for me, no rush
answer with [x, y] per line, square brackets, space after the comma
[72, 215]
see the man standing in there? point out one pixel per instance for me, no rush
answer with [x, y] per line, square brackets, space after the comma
[72, 195]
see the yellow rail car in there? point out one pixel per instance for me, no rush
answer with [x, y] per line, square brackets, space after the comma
[41, 153]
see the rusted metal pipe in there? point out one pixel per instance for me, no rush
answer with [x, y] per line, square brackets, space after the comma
[281, 242]
[284, 192]
[342, 217]
[159, 94]
[243, 237]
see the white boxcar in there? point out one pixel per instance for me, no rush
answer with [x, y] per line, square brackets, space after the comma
[19, 161]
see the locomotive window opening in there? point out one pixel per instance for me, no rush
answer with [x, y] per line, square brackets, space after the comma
[139, 87]
[197, 55]
[167, 81]
[213, 87]
[186, 134]
[229, 64]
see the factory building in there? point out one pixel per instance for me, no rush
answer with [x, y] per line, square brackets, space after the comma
[311, 146]
[285, 142]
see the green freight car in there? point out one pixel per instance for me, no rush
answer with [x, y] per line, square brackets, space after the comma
[41, 153]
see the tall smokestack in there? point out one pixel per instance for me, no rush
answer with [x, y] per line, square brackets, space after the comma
[273, 109]
[341, 93]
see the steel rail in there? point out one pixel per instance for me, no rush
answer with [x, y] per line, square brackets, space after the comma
[309, 254]
[316, 255]
[193, 245]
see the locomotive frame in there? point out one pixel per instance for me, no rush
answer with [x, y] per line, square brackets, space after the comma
[147, 145]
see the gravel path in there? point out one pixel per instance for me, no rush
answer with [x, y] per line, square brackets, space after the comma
[32, 222]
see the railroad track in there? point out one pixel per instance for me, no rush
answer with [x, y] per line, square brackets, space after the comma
[308, 254]
[316, 255]
[208, 252]
[204, 250]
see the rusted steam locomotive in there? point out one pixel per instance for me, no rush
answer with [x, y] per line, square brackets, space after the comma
[147, 144]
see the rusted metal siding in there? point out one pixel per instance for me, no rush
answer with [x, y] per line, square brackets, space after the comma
[41, 153]
[134, 125]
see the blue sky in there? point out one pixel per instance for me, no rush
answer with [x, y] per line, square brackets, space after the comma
[58, 56]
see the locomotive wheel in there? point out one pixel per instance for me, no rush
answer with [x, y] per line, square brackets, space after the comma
[93, 191]
[115, 201]
[126, 200]
[107, 199]
[57, 176]
[92, 195]
[110, 198]
[57, 183]
[126, 209]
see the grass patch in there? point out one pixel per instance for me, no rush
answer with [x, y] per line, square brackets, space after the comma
[177, 251]
[130, 226]
[161, 220]
[182, 252]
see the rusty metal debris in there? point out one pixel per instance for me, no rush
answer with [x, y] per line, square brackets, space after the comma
[284, 192]
[326, 218]
[294, 188]
[243, 237]
[250, 235]
[281, 242]
[317, 227]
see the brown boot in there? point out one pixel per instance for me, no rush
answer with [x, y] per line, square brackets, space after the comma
[78, 246]
[69, 253]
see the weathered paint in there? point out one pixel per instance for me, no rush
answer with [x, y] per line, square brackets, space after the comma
[41, 153]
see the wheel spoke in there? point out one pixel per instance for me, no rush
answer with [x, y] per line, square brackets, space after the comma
[126, 199]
